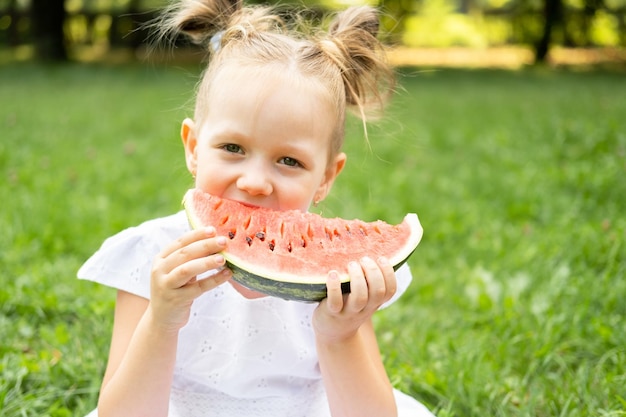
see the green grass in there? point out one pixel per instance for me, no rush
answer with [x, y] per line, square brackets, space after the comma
[517, 306]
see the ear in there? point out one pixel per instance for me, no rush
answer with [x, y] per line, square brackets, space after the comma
[332, 171]
[190, 141]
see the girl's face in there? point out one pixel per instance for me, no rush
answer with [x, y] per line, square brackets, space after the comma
[265, 141]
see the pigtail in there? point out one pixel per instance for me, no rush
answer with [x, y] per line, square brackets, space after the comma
[353, 46]
[199, 20]
[213, 23]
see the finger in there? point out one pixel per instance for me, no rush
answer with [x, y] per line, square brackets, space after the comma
[207, 284]
[334, 298]
[389, 274]
[183, 274]
[357, 300]
[199, 249]
[187, 239]
[194, 250]
[375, 279]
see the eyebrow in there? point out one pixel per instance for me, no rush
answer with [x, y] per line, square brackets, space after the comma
[229, 133]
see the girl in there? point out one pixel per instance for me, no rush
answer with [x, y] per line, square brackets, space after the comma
[267, 131]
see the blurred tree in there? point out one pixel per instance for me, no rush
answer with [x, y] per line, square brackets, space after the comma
[590, 9]
[395, 16]
[57, 27]
[48, 17]
[12, 15]
[552, 16]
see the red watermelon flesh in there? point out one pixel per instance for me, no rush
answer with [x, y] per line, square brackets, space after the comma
[289, 253]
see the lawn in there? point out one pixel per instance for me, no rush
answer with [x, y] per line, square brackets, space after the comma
[519, 178]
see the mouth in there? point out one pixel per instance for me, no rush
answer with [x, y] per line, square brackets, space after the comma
[256, 204]
[244, 203]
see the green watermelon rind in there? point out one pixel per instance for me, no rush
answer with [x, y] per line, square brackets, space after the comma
[287, 290]
[282, 289]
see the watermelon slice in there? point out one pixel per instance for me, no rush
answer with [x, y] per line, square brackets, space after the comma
[288, 254]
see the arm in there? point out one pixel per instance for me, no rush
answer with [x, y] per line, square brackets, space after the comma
[141, 356]
[354, 376]
[355, 379]
[138, 377]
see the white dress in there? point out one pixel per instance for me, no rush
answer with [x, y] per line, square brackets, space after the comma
[237, 357]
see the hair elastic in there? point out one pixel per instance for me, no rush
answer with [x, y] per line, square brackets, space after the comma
[215, 44]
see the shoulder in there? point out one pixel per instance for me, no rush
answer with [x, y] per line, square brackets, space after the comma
[151, 233]
[124, 260]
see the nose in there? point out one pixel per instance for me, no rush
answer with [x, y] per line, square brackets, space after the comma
[255, 180]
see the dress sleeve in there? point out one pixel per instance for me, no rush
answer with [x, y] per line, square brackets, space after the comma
[404, 278]
[123, 262]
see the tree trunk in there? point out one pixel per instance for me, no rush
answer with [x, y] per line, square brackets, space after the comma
[553, 14]
[12, 33]
[48, 18]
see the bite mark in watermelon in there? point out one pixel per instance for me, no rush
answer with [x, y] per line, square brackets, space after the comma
[288, 254]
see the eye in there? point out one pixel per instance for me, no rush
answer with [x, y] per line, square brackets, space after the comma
[289, 162]
[232, 148]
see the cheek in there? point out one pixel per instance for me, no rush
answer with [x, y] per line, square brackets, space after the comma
[210, 179]
[295, 201]
[297, 196]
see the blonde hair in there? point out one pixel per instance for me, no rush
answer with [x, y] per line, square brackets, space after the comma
[347, 60]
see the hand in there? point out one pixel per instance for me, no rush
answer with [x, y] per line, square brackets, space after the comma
[173, 280]
[339, 316]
